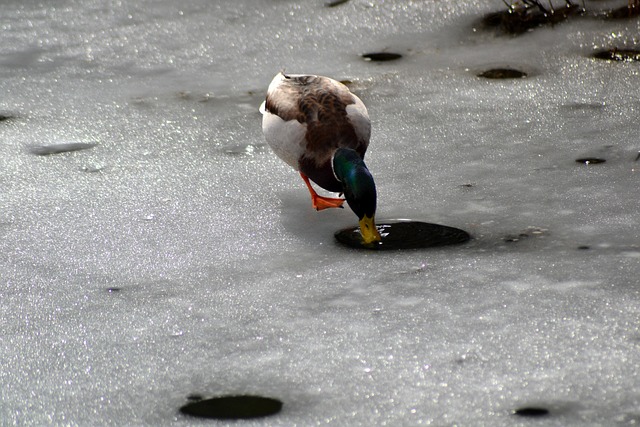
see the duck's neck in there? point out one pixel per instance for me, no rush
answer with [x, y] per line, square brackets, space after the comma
[357, 182]
[345, 163]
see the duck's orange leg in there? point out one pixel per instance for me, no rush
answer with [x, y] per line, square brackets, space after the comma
[318, 202]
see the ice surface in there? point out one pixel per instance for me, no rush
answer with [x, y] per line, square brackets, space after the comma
[179, 256]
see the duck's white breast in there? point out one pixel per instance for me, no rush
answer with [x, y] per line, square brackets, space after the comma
[286, 138]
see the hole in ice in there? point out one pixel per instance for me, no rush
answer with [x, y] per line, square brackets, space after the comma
[503, 73]
[44, 150]
[590, 160]
[531, 411]
[113, 290]
[4, 117]
[615, 54]
[335, 3]
[405, 235]
[584, 247]
[231, 407]
[381, 56]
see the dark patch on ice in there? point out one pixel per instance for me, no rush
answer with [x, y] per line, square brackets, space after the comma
[405, 235]
[582, 109]
[515, 238]
[184, 95]
[232, 407]
[502, 73]
[45, 150]
[92, 169]
[619, 55]
[525, 16]
[584, 247]
[195, 397]
[586, 106]
[113, 290]
[531, 412]
[5, 117]
[381, 56]
[525, 234]
[150, 101]
[335, 3]
[590, 160]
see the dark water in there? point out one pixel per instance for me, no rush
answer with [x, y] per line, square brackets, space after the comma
[405, 235]
[232, 407]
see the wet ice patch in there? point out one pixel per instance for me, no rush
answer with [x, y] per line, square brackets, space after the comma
[45, 150]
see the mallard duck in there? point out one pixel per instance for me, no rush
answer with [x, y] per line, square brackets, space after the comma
[318, 127]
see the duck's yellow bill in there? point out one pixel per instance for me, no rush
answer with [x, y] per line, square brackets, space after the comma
[368, 230]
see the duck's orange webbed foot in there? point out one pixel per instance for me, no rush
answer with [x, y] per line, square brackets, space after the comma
[319, 202]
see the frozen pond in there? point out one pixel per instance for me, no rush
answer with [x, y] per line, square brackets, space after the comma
[173, 256]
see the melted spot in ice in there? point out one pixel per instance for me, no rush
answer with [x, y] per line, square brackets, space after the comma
[231, 407]
[531, 411]
[620, 55]
[335, 3]
[405, 235]
[503, 73]
[381, 56]
[590, 160]
[44, 150]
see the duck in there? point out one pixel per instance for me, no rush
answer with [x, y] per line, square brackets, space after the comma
[322, 130]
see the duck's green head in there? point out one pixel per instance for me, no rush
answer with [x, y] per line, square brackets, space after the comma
[359, 190]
